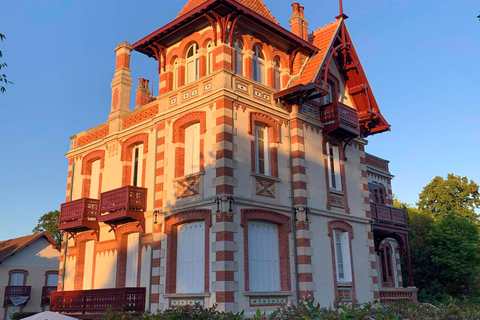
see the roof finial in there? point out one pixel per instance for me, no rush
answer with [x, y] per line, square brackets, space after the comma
[341, 15]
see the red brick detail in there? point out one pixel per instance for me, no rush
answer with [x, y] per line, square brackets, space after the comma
[94, 136]
[345, 227]
[188, 187]
[115, 99]
[87, 171]
[140, 117]
[257, 117]
[284, 228]
[171, 230]
[123, 61]
[187, 120]
[130, 143]
[265, 187]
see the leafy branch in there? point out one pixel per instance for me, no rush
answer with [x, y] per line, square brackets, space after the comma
[3, 77]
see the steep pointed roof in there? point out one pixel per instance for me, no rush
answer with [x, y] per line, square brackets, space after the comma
[323, 40]
[255, 5]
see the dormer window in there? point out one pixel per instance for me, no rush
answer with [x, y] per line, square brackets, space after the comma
[258, 65]
[192, 63]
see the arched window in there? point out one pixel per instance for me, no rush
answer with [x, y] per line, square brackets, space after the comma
[210, 57]
[192, 63]
[277, 74]
[386, 265]
[258, 65]
[238, 46]
[175, 74]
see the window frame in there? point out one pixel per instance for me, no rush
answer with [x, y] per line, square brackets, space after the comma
[266, 149]
[192, 150]
[277, 75]
[195, 59]
[258, 65]
[20, 271]
[334, 167]
[209, 67]
[176, 68]
[239, 58]
[137, 165]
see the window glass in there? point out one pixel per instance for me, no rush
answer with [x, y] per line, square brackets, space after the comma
[277, 75]
[175, 74]
[137, 166]
[334, 176]
[17, 279]
[258, 65]
[210, 57]
[52, 280]
[342, 256]
[192, 63]
[262, 152]
[238, 57]
[263, 257]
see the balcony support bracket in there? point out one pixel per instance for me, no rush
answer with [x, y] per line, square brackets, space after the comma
[113, 227]
[347, 142]
[71, 235]
[141, 223]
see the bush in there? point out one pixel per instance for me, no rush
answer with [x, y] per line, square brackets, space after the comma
[21, 315]
[308, 310]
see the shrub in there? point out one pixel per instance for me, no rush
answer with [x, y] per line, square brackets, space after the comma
[21, 315]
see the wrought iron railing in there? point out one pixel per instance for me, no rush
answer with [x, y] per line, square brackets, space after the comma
[389, 216]
[46, 291]
[93, 302]
[123, 199]
[15, 291]
[78, 210]
[337, 114]
[392, 295]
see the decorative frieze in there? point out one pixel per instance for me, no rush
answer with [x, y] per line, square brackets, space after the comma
[140, 117]
[95, 135]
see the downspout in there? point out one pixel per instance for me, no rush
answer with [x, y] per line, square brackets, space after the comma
[149, 298]
[66, 234]
[294, 223]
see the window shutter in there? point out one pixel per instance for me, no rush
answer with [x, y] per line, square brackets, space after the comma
[329, 164]
[132, 260]
[191, 258]
[94, 179]
[347, 264]
[191, 71]
[189, 134]
[88, 266]
[336, 160]
[196, 148]
[137, 166]
[263, 257]
[17, 279]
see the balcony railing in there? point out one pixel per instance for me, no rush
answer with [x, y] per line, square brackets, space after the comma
[16, 292]
[122, 203]
[392, 295]
[95, 302]
[340, 118]
[46, 291]
[78, 214]
[388, 216]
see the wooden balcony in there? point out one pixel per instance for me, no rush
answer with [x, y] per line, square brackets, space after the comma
[46, 291]
[79, 214]
[340, 119]
[388, 217]
[392, 295]
[92, 304]
[123, 203]
[16, 292]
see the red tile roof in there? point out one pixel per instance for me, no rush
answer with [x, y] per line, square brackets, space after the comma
[323, 39]
[255, 5]
[12, 246]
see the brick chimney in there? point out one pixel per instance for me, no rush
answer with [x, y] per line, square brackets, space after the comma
[298, 23]
[143, 94]
[122, 81]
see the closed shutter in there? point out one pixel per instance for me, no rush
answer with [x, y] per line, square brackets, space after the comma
[263, 257]
[88, 266]
[342, 256]
[192, 70]
[192, 149]
[52, 280]
[17, 279]
[191, 258]
[132, 260]
[95, 179]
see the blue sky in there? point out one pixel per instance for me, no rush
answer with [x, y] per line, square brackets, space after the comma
[422, 58]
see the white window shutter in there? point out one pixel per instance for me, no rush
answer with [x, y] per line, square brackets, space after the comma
[338, 176]
[132, 260]
[191, 258]
[329, 164]
[88, 266]
[263, 257]
[347, 264]
[94, 180]
[189, 133]
[196, 148]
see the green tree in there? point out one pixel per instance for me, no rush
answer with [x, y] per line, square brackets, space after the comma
[454, 243]
[455, 194]
[49, 223]
[3, 77]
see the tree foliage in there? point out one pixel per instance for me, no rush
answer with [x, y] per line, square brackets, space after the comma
[455, 252]
[49, 223]
[3, 77]
[455, 195]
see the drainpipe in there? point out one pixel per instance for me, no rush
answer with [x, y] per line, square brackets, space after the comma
[149, 298]
[294, 224]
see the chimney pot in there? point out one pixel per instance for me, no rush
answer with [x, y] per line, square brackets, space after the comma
[301, 9]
